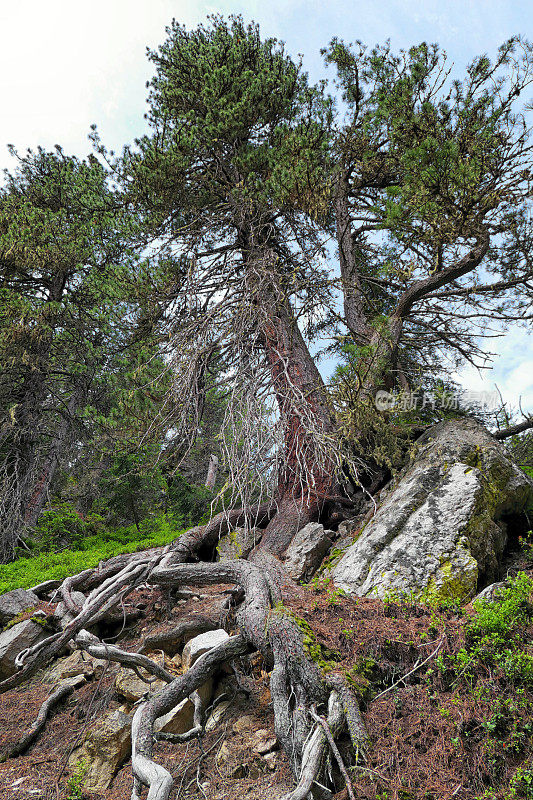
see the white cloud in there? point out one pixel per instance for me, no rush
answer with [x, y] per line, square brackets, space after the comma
[511, 371]
[65, 64]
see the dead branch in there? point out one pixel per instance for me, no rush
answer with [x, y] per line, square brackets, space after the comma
[512, 430]
[335, 750]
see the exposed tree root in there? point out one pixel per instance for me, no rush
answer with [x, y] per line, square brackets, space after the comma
[60, 694]
[298, 688]
[170, 640]
[315, 749]
[145, 770]
[110, 652]
[39, 655]
[335, 750]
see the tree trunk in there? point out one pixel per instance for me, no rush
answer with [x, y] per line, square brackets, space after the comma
[211, 473]
[37, 499]
[307, 475]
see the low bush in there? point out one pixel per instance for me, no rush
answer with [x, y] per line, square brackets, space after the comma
[29, 571]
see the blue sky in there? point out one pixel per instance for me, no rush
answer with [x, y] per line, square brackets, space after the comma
[65, 64]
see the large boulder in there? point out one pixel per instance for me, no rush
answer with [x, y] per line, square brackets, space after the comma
[14, 640]
[14, 603]
[107, 745]
[441, 528]
[306, 551]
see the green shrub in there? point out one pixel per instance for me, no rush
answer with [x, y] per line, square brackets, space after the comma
[499, 622]
[58, 526]
[27, 572]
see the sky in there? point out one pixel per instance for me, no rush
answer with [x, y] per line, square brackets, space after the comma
[65, 64]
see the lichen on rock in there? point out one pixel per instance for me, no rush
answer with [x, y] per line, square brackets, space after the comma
[441, 527]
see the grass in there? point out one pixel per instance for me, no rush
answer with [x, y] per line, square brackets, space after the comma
[26, 572]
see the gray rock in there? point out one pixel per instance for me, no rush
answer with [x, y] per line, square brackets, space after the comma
[131, 687]
[180, 719]
[239, 543]
[14, 603]
[306, 551]
[107, 745]
[491, 591]
[14, 640]
[78, 663]
[217, 714]
[200, 644]
[439, 527]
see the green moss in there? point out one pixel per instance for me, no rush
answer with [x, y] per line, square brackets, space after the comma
[455, 582]
[325, 659]
[236, 549]
[363, 677]
[17, 619]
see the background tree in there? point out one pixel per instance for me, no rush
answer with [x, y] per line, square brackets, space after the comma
[432, 194]
[68, 280]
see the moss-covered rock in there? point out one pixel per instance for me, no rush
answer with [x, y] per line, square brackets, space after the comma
[442, 525]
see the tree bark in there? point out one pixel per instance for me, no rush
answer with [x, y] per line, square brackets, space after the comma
[307, 476]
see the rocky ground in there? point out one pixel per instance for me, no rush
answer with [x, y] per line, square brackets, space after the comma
[429, 735]
[445, 687]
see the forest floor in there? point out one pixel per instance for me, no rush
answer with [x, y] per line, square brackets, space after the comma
[442, 723]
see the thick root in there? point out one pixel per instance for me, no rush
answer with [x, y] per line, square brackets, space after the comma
[316, 748]
[60, 694]
[145, 770]
[170, 640]
[297, 686]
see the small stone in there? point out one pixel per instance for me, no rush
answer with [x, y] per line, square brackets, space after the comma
[132, 688]
[490, 592]
[271, 760]
[176, 660]
[244, 723]
[180, 719]
[216, 715]
[265, 745]
[78, 663]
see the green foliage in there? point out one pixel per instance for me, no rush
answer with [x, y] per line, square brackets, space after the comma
[76, 780]
[62, 525]
[27, 572]
[521, 784]
[500, 623]
[221, 96]
[187, 501]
